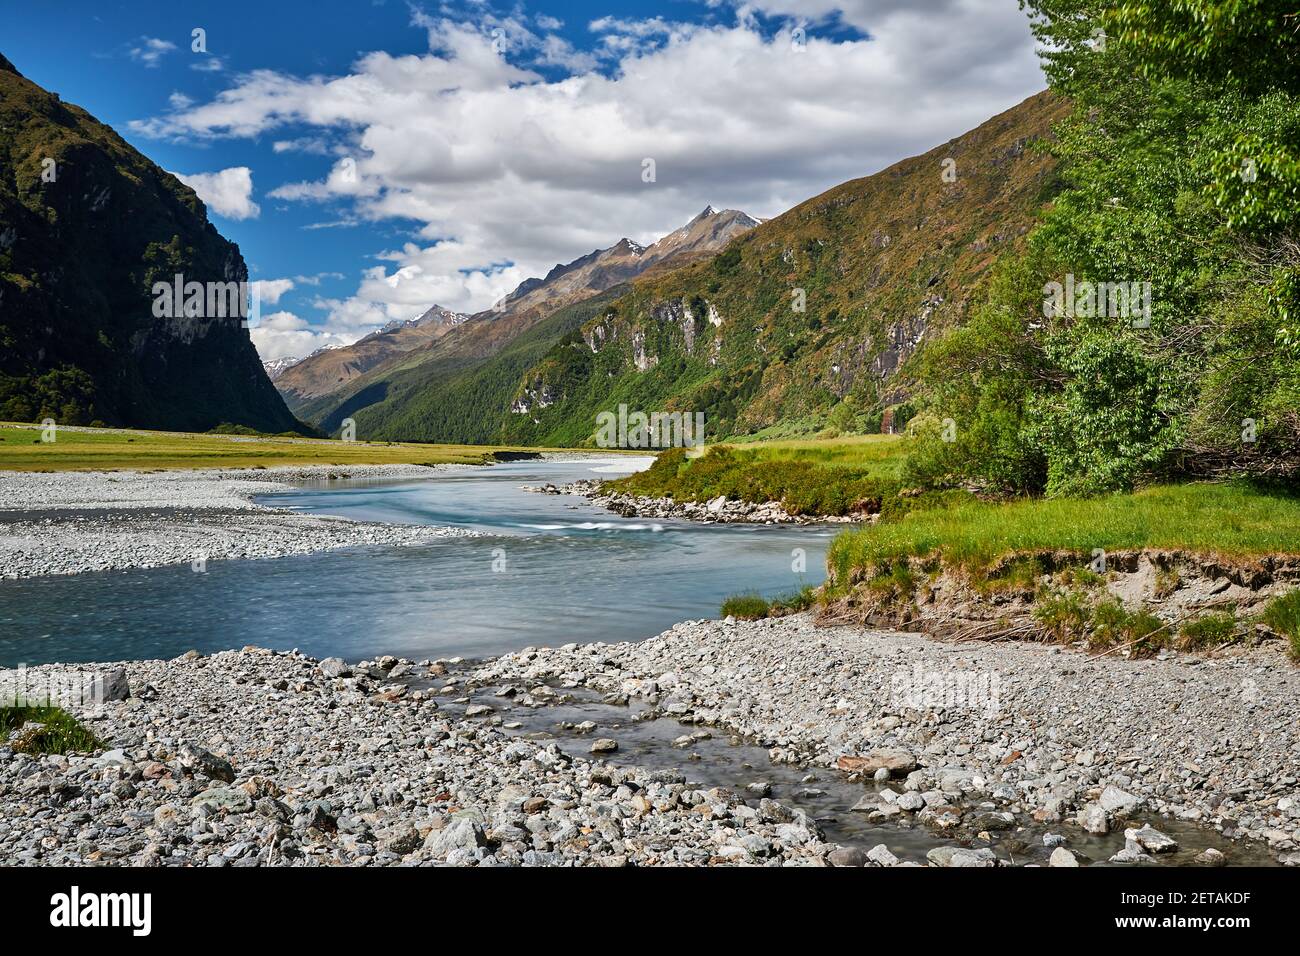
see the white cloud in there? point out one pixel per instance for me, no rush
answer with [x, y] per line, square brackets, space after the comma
[150, 51]
[285, 335]
[270, 291]
[510, 172]
[228, 193]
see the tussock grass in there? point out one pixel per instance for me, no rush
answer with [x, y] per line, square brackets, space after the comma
[58, 732]
[103, 449]
[752, 606]
[1283, 615]
[1230, 520]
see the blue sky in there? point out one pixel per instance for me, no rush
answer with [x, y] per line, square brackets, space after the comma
[373, 157]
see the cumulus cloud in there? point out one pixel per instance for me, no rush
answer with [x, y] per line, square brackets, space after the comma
[150, 51]
[509, 170]
[271, 291]
[228, 193]
[285, 335]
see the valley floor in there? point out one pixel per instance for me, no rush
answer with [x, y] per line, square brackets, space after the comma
[253, 758]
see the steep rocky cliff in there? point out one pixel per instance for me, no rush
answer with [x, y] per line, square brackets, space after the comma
[88, 225]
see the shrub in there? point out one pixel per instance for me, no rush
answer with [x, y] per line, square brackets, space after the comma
[1064, 615]
[1283, 615]
[746, 607]
[1208, 630]
[57, 731]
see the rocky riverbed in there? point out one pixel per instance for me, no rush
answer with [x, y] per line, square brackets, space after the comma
[719, 510]
[70, 522]
[253, 757]
[1027, 730]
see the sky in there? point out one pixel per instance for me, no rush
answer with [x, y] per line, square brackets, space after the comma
[373, 158]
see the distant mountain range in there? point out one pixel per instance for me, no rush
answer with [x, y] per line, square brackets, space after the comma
[783, 325]
[392, 384]
[330, 370]
[808, 317]
[87, 227]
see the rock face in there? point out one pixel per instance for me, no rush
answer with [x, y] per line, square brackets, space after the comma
[87, 226]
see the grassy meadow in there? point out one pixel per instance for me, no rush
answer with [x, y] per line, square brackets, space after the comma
[111, 449]
[1231, 520]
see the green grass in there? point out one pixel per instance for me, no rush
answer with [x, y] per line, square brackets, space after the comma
[21, 449]
[746, 607]
[751, 606]
[59, 732]
[1230, 520]
[1283, 615]
[1213, 629]
[813, 477]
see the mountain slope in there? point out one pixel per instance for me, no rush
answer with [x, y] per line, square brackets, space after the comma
[87, 226]
[327, 371]
[878, 264]
[389, 401]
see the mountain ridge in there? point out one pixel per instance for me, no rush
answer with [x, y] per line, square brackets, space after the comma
[88, 225]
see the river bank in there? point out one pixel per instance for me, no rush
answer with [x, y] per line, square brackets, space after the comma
[718, 510]
[255, 758]
[71, 522]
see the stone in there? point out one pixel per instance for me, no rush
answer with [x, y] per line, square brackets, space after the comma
[951, 856]
[1151, 840]
[197, 760]
[1115, 800]
[604, 745]
[461, 834]
[880, 855]
[1093, 819]
[228, 799]
[1211, 857]
[334, 667]
[893, 759]
[402, 841]
[477, 710]
[911, 802]
[846, 856]
[1062, 857]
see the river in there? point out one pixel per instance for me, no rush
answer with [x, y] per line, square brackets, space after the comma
[549, 569]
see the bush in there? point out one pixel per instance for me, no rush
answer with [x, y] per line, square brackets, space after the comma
[1208, 630]
[746, 607]
[58, 732]
[1283, 615]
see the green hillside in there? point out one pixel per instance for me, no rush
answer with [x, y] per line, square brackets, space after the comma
[880, 264]
[458, 397]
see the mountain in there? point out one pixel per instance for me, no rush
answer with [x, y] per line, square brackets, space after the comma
[397, 397]
[331, 369]
[805, 319]
[88, 225]
[277, 367]
[605, 268]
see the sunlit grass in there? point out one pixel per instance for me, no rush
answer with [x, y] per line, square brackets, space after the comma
[55, 731]
[21, 449]
[1231, 520]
